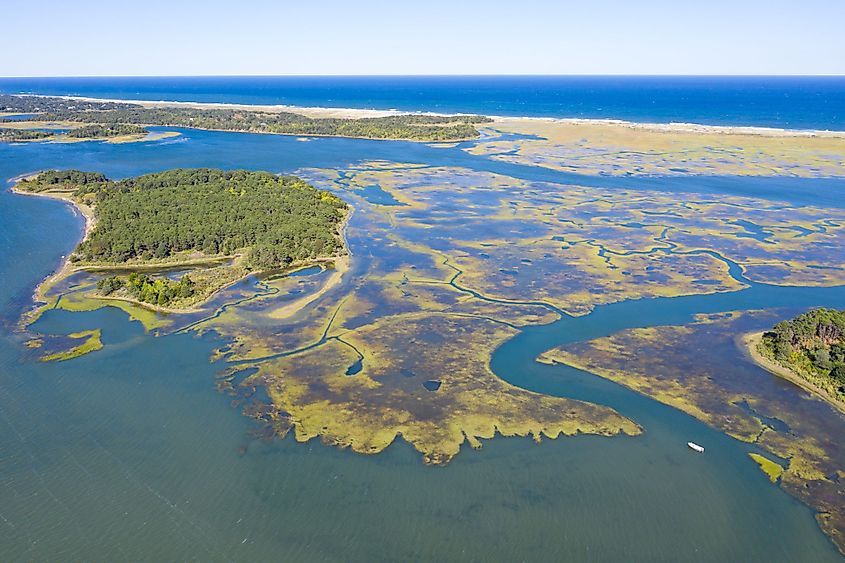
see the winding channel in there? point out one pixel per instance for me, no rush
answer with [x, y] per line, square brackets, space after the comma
[515, 360]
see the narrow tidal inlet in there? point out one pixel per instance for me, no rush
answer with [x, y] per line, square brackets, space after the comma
[131, 453]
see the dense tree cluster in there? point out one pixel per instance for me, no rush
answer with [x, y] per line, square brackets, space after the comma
[62, 179]
[107, 286]
[11, 103]
[278, 219]
[812, 343]
[97, 131]
[413, 127]
[12, 135]
[157, 291]
[416, 127]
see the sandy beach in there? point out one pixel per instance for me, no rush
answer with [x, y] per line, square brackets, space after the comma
[748, 343]
[672, 127]
[65, 269]
[353, 113]
[343, 113]
[341, 264]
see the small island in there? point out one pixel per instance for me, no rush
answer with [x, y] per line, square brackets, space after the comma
[809, 350]
[97, 131]
[217, 226]
[68, 132]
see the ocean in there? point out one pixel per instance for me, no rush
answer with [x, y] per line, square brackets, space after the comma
[784, 102]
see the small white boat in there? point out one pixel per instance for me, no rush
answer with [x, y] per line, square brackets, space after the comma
[695, 447]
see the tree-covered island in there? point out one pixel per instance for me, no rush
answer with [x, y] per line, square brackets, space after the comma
[812, 347]
[413, 127]
[98, 131]
[36, 128]
[29, 131]
[20, 135]
[218, 225]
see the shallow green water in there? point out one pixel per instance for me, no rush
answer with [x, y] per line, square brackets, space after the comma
[130, 453]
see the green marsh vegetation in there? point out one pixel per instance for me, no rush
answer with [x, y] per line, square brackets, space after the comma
[699, 369]
[90, 342]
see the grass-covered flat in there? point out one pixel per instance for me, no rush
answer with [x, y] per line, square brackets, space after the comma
[699, 369]
[430, 339]
[612, 148]
[220, 224]
[90, 342]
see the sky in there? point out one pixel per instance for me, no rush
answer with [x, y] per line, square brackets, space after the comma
[329, 37]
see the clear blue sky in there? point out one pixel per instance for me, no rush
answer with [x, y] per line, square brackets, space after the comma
[173, 37]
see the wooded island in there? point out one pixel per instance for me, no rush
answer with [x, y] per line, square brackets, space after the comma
[811, 346]
[221, 224]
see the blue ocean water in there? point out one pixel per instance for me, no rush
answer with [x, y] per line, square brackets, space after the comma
[787, 102]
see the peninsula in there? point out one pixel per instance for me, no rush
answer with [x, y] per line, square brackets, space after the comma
[412, 127]
[220, 225]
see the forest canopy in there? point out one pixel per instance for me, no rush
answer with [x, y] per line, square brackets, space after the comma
[11, 103]
[13, 135]
[275, 220]
[97, 131]
[813, 346]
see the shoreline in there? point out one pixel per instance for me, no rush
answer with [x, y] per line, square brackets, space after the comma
[308, 111]
[358, 113]
[309, 136]
[197, 307]
[341, 264]
[677, 127]
[78, 209]
[748, 343]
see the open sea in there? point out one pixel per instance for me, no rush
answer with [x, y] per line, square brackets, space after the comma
[786, 102]
[130, 453]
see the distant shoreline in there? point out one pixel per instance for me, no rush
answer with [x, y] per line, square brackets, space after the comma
[353, 113]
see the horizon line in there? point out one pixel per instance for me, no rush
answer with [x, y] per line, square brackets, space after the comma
[447, 75]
